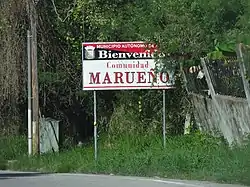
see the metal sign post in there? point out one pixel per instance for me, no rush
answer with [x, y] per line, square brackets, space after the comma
[164, 117]
[95, 126]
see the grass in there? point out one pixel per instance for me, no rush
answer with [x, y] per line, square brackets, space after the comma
[195, 157]
[11, 148]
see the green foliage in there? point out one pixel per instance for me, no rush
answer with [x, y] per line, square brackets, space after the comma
[195, 156]
[222, 50]
[52, 78]
[189, 27]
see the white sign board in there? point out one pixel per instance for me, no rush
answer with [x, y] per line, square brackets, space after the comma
[122, 66]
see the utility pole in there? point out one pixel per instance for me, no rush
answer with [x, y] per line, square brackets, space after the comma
[35, 95]
[29, 94]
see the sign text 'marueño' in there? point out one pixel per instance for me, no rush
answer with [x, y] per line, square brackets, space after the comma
[122, 65]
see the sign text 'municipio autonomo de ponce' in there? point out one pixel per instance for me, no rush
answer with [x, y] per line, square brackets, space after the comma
[122, 65]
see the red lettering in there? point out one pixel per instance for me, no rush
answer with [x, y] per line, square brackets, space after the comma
[108, 65]
[107, 79]
[151, 76]
[127, 77]
[141, 77]
[164, 77]
[118, 75]
[118, 78]
[94, 78]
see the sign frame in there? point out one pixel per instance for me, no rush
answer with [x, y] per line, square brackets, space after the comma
[122, 67]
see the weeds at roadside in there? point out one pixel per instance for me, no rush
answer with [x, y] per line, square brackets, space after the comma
[195, 156]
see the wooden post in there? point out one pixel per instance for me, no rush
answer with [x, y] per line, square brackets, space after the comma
[224, 121]
[184, 78]
[188, 120]
[243, 72]
[208, 78]
[35, 95]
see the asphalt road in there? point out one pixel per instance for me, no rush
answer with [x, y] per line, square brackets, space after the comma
[20, 179]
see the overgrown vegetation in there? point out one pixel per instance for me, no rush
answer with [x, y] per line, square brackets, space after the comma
[12, 147]
[196, 157]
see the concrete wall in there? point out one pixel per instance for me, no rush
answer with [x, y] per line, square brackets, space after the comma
[49, 135]
[231, 118]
